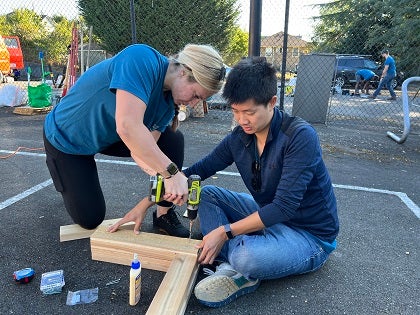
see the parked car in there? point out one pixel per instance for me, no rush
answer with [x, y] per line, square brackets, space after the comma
[217, 101]
[348, 65]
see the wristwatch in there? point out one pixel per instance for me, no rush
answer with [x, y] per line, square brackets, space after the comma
[228, 231]
[170, 171]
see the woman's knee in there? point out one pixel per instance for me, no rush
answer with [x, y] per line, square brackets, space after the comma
[90, 222]
[89, 214]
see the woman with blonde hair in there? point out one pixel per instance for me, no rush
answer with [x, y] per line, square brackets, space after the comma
[124, 107]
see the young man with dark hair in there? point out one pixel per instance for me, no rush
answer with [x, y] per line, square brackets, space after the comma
[388, 74]
[288, 224]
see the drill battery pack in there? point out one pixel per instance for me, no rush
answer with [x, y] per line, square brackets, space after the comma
[157, 189]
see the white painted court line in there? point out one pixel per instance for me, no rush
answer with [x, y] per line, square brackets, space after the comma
[24, 194]
[403, 196]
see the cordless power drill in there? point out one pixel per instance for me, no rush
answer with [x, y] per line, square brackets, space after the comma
[157, 190]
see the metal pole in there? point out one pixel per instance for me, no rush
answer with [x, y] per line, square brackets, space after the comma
[254, 46]
[89, 46]
[406, 111]
[133, 23]
[284, 57]
[82, 51]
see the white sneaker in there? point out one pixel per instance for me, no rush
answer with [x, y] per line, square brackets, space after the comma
[223, 286]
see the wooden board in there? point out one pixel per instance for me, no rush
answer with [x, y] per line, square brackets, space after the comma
[176, 256]
[29, 111]
[176, 287]
[75, 231]
[155, 251]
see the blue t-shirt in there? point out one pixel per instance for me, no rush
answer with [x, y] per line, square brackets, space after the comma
[366, 74]
[83, 122]
[391, 66]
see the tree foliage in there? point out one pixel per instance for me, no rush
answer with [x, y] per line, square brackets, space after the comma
[35, 35]
[166, 25]
[368, 26]
[30, 29]
[237, 48]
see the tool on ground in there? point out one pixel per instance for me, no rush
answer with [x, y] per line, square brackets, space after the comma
[52, 282]
[24, 275]
[157, 190]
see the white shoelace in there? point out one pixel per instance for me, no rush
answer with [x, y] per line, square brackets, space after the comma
[224, 269]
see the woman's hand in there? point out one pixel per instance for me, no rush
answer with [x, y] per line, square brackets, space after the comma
[135, 215]
[176, 189]
[211, 245]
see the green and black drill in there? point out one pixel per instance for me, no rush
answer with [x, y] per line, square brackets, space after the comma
[157, 190]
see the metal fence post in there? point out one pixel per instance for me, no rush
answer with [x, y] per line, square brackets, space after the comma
[255, 28]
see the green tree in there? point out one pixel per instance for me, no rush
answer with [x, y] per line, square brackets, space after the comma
[368, 26]
[237, 48]
[166, 25]
[35, 36]
[402, 34]
[29, 27]
[57, 42]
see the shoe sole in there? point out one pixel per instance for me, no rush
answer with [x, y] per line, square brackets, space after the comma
[234, 296]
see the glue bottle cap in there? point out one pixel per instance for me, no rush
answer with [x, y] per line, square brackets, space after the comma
[135, 264]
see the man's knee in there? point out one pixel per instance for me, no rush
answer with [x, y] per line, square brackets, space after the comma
[208, 193]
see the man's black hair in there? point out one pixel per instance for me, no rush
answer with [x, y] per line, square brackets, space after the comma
[251, 78]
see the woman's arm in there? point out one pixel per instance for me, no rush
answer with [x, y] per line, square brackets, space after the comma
[142, 144]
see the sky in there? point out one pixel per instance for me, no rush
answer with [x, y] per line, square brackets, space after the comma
[273, 16]
[273, 12]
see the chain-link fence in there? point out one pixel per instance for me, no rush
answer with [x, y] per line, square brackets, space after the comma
[326, 44]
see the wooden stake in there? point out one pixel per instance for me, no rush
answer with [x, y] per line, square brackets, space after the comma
[75, 231]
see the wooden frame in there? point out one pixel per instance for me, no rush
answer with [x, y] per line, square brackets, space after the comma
[175, 256]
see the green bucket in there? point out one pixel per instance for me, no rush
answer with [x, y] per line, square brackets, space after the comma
[39, 96]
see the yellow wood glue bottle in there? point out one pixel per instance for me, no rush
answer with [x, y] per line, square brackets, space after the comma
[135, 281]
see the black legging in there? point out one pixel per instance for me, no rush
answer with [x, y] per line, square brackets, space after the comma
[76, 176]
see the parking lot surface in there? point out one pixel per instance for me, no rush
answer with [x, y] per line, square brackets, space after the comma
[375, 269]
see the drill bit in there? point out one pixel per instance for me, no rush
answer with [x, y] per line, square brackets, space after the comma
[191, 226]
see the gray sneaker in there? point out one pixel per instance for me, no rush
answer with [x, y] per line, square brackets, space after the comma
[223, 286]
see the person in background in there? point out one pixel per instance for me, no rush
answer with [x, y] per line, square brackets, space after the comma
[363, 77]
[127, 106]
[388, 74]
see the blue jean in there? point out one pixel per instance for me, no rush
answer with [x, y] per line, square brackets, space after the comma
[387, 82]
[275, 252]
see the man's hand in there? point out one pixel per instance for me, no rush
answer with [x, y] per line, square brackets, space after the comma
[135, 215]
[211, 245]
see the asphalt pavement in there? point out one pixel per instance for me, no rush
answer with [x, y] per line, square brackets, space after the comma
[375, 269]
